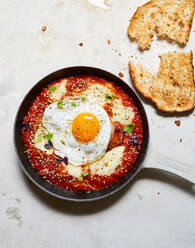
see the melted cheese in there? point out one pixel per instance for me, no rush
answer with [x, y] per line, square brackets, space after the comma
[40, 141]
[121, 113]
[97, 93]
[109, 162]
[60, 91]
[75, 171]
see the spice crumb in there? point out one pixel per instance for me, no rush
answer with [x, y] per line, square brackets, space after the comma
[81, 44]
[44, 28]
[109, 42]
[121, 74]
[177, 123]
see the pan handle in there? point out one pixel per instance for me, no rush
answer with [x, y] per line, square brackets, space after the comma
[156, 160]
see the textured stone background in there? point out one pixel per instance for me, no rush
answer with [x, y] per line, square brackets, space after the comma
[156, 209]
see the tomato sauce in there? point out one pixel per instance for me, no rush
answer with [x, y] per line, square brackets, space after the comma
[53, 170]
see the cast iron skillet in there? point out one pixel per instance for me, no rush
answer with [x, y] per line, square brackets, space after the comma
[32, 173]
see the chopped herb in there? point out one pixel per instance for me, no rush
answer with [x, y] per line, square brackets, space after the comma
[60, 105]
[49, 145]
[65, 160]
[59, 160]
[85, 174]
[128, 128]
[49, 136]
[109, 96]
[52, 88]
[40, 139]
[25, 126]
[134, 140]
[74, 104]
[83, 98]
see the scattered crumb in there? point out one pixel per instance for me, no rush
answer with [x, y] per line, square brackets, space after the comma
[60, 3]
[121, 74]
[158, 193]
[180, 140]
[177, 123]
[81, 44]
[119, 54]
[44, 28]
[109, 42]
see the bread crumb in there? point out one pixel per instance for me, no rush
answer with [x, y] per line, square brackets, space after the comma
[44, 28]
[177, 123]
[109, 42]
[81, 44]
[121, 74]
[60, 3]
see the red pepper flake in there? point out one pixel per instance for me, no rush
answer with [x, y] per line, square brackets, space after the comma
[44, 28]
[121, 74]
[109, 42]
[81, 44]
[177, 123]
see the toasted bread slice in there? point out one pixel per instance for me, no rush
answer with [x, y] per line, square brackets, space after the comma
[173, 88]
[170, 18]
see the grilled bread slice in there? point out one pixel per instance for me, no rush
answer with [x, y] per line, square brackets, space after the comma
[170, 18]
[173, 88]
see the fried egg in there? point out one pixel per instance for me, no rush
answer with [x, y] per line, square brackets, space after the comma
[81, 130]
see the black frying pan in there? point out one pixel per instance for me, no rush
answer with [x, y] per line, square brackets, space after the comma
[32, 173]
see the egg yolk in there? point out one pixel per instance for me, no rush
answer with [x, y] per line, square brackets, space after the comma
[85, 127]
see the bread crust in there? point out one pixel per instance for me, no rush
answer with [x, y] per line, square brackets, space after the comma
[167, 90]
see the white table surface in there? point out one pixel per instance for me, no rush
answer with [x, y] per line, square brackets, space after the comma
[156, 209]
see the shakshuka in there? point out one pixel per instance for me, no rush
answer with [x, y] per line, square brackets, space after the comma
[82, 133]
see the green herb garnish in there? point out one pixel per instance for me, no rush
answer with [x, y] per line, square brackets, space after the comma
[52, 88]
[128, 128]
[74, 104]
[49, 136]
[85, 174]
[60, 105]
[40, 139]
[83, 98]
[109, 96]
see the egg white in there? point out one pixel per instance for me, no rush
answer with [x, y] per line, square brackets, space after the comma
[59, 122]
